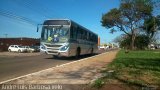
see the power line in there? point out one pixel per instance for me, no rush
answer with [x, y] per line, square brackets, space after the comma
[17, 17]
[42, 9]
[45, 9]
[29, 6]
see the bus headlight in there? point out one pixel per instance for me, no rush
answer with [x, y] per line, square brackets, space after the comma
[64, 47]
[42, 47]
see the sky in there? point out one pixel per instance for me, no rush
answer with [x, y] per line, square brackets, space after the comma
[19, 18]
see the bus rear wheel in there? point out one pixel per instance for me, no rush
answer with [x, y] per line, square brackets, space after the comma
[78, 52]
[91, 52]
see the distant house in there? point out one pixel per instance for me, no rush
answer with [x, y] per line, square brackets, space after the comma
[157, 46]
[6, 42]
[154, 46]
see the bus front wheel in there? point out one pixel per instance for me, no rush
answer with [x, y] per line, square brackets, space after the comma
[55, 56]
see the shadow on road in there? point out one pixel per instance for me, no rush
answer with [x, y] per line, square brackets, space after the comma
[70, 58]
[81, 57]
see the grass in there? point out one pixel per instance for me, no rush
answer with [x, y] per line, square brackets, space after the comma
[98, 83]
[140, 68]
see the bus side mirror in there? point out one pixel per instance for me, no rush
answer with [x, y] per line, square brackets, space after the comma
[37, 28]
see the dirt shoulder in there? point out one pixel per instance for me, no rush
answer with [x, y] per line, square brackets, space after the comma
[81, 72]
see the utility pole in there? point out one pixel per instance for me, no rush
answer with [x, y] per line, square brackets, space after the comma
[6, 35]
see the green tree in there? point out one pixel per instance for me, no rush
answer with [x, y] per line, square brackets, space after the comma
[124, 42]
[128, 18]
[151, 25]
[142, 41]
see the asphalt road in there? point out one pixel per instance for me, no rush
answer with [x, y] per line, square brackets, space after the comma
[18, 66]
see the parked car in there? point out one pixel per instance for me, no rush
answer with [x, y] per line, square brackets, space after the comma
[103, 47]
[37, 48]
[29, 49]
[16, 48]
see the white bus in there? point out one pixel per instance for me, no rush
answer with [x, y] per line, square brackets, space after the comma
[63, 37]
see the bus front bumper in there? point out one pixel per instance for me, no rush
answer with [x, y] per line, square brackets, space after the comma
[58, 53]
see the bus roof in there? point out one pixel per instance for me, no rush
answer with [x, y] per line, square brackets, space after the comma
[83, 27]
[71, 23]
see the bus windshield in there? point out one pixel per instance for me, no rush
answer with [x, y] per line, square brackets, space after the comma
[55, 34]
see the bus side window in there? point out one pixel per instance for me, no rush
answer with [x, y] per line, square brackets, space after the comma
[82, 34]
[79, 33]
[73, 32]
[91, 37]
[85, 35]
[88, 36]
[82, 37]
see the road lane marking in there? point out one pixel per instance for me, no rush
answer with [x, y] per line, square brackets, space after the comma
[50, 68]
